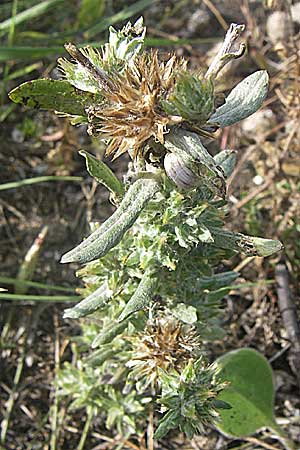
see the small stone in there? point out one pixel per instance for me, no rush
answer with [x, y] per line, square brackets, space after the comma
[198, 21]
[295, 10]
[278, 27]
[17, 135]
[258, 124]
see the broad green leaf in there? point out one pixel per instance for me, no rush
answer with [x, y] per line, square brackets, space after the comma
[250, 393]
[102, 173]
[246, 98]
[54, 95]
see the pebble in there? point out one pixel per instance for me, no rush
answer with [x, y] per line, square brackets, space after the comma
[278, 27]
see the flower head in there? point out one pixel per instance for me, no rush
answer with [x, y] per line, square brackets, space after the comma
[131, 112]
[165, 344]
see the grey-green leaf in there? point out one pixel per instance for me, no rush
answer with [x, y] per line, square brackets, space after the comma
[227, 160]
[109, 234]
[246, 98]
[94, 301]
[248, 245]
[250, 393]
[56, 95]
[109, 333]
[142, 296]
[102, 173]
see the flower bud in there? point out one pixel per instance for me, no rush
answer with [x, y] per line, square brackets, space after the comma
[179, 173]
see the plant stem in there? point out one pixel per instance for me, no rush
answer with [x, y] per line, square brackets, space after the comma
[90, 413]
[19, 183]
[40, 298]
[13, 396]
[35, 284]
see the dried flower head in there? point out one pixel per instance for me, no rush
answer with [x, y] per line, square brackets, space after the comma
[131, 112]
[165, 344]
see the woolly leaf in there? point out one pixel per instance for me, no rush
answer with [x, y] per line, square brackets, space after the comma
[142, 296]
[102, 173]
[53, 95]
[78, 75]
[111, 232]
[109, 333]
[94, 301]
[226, 159]
[249, 245]
[246, 98]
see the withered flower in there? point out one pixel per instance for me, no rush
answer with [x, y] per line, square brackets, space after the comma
[165, 344]
[131, 112]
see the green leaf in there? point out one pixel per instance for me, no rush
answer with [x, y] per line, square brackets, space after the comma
[110, 233]
[54, 95]
[94, 301]
[167, 423]
[90, 11]
[246, 98]
[29, 14]
[109, 333]
[250, 393]
[227, 160]
[185, 313]
[102, 173]
[248, 245]
[142, 296]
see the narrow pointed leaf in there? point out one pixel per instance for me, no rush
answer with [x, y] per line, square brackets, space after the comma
[248, 245]
[102, 173]
[111, 232]
[246, 98]
[109, 333]
[94, 301]
[54, 95]
[142, 296]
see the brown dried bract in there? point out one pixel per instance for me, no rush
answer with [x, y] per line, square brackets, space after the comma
[132, 113]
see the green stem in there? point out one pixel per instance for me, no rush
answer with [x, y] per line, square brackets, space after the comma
[40, 298]
[13, 392]
[90, 413]
[19, 183]
[35, 284]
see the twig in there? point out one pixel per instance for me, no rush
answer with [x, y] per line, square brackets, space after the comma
[261, 443]
[216, 13]
[150, 430]
[289, 316]
[252, 194]
[54, 409]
